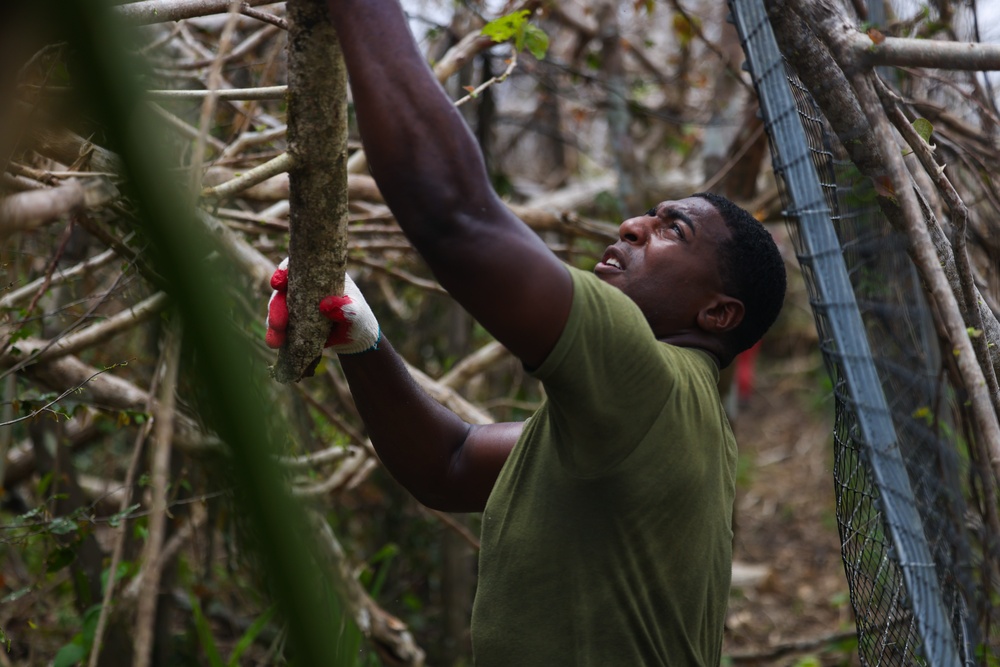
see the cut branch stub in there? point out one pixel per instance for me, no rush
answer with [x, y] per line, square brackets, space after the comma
[317, 143]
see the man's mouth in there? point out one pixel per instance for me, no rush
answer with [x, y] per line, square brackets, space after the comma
[612, 260]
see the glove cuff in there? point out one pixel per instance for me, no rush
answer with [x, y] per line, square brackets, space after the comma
[363, 333]
[350, 349]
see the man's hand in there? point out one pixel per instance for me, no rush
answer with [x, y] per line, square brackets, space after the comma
[353, 327]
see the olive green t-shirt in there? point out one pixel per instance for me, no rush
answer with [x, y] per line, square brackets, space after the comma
[607, 539]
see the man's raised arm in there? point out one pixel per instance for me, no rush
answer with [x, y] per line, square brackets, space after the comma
[431, 172]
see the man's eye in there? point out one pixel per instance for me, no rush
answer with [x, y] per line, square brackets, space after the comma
[651, 212]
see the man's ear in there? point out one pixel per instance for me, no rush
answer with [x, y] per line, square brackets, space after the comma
[723, 314]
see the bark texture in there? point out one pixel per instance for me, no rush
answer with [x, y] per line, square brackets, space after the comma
[317, 142]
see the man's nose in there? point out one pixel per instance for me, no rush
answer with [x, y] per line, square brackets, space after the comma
[634, 230]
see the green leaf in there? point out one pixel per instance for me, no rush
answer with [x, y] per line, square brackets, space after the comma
[924, 129]
[115, 519]
[536, 41]
[205, 635]
[247, 639]
[506, 27]
[62, 526]
[69, 655]
[10, 597]
[515, 27]
[59, 559]
[24, 518]
[89, 627]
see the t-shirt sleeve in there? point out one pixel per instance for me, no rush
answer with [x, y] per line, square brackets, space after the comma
[606, 380]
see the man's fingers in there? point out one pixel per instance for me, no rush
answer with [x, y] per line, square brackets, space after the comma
[274, 339]
[277, 311]
[279, 279]
[332, 308]
[339, 334]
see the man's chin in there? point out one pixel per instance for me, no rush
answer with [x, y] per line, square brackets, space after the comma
[609, 278]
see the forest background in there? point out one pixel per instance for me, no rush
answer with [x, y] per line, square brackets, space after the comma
[117, 456]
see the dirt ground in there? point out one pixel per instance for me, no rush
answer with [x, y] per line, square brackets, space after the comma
[790, 604]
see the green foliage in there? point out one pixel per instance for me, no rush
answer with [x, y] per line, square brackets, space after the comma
[374, 581]
[924, 128]
[249, 636]
[205, 636]
[808, 661]
[515, 27]
[80, 646]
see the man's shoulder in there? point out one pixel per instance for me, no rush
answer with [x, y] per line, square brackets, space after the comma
[591, 294]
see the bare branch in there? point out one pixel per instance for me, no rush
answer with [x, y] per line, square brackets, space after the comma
[387, 633]
[103, 331]
[159, 474]
[161, 11]
[899, 51]
[107, 391]
[833, 27]
[474, 364]
[274, 20]
[120, 533]
[28, 210]
[72, 149]
[232, 94]
[960, 218]
[248, 179]
[208, 104]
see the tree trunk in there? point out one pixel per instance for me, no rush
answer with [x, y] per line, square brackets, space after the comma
[317, 142]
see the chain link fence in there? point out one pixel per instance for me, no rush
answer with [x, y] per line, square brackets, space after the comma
[919, 557]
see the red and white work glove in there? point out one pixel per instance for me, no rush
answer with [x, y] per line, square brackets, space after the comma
[353, 327]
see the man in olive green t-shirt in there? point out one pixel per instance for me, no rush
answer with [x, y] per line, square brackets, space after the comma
[607, 523]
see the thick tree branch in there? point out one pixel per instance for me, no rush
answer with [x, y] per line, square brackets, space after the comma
[317, 142]
[903, 52]
[163, 422]
[106, 329]
[28, 210]
[106, 391]
[250, 178]
[161, 11]
[832, 27]
[829, 86]
[960, 217]
[388, 634]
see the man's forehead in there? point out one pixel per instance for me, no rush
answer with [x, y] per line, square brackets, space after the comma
[698, 209]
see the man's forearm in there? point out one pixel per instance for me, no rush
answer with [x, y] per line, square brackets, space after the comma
[416, 438]
[420, 150]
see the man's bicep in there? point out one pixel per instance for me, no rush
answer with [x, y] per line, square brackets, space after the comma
[477, 464]
[505, 276]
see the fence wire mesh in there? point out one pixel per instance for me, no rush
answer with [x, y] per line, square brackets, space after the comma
[919, 558]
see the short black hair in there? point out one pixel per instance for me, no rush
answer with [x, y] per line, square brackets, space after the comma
[752, 270]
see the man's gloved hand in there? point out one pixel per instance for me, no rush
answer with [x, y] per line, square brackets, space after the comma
[354, 328]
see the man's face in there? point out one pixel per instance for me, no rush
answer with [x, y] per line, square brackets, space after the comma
[667, 262]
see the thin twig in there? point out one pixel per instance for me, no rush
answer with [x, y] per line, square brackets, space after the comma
[162, 11]
[459, 529]
[274, 20]
[35, 413]
[105, 329]
[960, 219]
[163, 429]
[247, 179]
[208, 105]
[796, 646]
[511, 64]
[120, 533]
